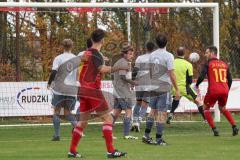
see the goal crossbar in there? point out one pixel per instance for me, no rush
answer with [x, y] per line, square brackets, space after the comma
[106, 5]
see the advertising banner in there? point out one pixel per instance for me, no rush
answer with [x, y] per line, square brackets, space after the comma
[34, 99]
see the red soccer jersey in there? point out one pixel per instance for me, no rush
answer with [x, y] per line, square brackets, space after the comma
[219, 82]
[90, 76]
[90, 94]
[217, 76]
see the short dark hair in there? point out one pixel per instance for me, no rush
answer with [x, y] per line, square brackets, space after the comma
[150, 46]
[180, 51]
[97, 35]
[67, 44]
[213, 49]
[161, 40]
[89, 43]
[126, 48]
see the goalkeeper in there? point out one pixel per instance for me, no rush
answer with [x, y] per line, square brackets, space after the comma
[184, 73]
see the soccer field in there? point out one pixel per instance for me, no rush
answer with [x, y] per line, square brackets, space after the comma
[187, 141]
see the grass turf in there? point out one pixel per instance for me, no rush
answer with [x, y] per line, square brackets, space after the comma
[187, 141]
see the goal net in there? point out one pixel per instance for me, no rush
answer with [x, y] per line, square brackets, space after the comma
[31, 34]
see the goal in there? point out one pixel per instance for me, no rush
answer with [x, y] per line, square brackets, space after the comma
[34, 30]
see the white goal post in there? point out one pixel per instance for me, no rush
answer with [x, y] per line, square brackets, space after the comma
[214, 6]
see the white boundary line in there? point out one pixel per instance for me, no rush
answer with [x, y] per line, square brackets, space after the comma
[67, 124]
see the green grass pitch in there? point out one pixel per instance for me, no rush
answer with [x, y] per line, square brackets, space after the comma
[187, 141]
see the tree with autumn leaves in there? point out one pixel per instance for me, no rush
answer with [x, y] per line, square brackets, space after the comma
[42, 30]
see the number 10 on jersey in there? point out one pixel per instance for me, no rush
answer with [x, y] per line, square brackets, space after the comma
[220, 74]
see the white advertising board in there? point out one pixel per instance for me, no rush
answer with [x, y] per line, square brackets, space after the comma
[34, 99]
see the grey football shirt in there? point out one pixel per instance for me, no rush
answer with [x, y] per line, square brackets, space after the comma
[121, 87]
[143, 75]
[65, 82]
[161, 61]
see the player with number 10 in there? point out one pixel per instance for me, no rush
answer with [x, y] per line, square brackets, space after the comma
[219, 84]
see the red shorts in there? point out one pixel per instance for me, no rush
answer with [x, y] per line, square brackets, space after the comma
[211, 99]
[92, 100]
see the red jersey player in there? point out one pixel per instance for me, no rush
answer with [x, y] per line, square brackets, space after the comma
[219, 83]
[91, 96]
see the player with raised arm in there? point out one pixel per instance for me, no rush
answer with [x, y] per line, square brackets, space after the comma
[122, 84]
[219, 84]
[91, 96]
[59, 100]
[162, 78]
[184, 73]
[142, 75]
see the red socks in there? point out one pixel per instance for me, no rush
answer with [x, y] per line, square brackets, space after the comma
[76, 136]
[225, 112]
[229, 117]
[208, 117]
[107, 133]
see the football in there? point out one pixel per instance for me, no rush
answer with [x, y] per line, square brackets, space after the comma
[194, 57]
